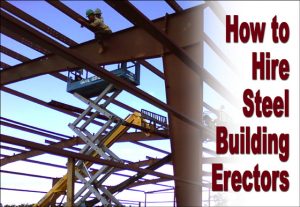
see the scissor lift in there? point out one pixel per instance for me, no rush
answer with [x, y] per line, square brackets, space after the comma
[97, 142]
[87, 85]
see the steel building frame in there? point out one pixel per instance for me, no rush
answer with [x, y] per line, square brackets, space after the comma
[157, 38]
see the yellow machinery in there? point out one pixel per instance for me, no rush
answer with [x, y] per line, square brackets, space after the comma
[97, 145]
[60, 187]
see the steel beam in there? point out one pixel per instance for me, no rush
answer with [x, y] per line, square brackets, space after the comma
[4, 65]
[147, 182]
[143, 163]
[184, 92]
[34, 46]
[73, 109]
[24, 41]
[187, 152]
[71, 148]
[31, 130]
[79, 110]
[159, 191]
[51, 178]
[13, 54]
[38, 162]
[32, 153]
[35, 191]
[124, 185]
[219, 52]
[56, 151]
[210, 108]
[217, 9]
[150, 147]
[38, 24]
[71, 13]
[12, 149]
[40, 102]
[26, 174]
[64, 167]
[22, 190]
[120, 187]
[35, 100]
[151, 68]
[70, 182]
[68, 143]
[63, 136]
[140, 136]
[122, 105]
[174, 5]
[162, 76]
[68, 154]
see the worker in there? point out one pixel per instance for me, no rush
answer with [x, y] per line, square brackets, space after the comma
[98, 13]
[78, 75]
[102, 31]
[208, 121]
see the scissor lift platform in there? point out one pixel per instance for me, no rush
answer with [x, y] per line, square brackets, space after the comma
[89, 87]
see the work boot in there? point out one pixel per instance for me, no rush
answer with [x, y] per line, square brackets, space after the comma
[101, 49]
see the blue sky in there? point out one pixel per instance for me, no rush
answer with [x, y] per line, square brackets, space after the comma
[48, 88]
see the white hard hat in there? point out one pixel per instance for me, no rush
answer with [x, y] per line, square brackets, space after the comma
[98, 11]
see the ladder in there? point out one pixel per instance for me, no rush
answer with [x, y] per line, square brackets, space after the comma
[97, 143]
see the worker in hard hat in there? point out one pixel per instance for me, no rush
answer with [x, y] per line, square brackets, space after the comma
[102, 30]
[98, 13]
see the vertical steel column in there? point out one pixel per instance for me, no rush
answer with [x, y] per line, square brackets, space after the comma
[70, 182]
[145, 202]
[184, 90]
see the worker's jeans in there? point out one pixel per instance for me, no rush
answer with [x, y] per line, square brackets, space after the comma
[100, 35]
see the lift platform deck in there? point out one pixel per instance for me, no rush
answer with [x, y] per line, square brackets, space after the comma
[89, 87]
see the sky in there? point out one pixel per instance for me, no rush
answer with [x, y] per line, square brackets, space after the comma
[48, 88]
